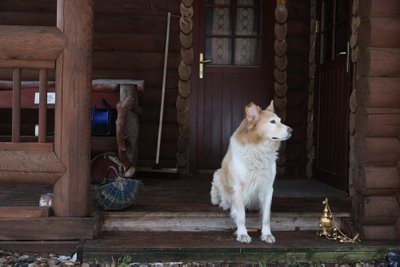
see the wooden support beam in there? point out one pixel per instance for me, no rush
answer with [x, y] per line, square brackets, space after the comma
[31, 42]
[73, 109]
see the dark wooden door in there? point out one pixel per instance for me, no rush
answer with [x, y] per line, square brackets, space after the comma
[237, 37]
[333, 93]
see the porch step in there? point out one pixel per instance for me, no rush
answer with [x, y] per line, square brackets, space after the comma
[208, 221]
[290, 249]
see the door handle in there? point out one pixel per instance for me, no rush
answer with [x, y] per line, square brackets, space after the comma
[202, 61]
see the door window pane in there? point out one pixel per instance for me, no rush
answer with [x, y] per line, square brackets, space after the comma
[233, 32]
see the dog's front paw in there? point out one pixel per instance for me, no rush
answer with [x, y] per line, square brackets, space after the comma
[269, 238]
[244, 238]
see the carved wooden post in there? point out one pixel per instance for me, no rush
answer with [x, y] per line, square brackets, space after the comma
[184, 85]
[73, 90]
[280, 73]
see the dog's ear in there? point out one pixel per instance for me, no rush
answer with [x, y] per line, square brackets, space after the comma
[252, 112]
[271, 106]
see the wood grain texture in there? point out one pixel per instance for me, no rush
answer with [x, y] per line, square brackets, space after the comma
[24, 42]
[30, 167]
[73, 89]
[24, 212]
[51, 228]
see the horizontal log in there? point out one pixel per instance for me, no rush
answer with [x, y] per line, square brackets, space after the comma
[145, 42]
[134, 24]
[32, 64]
[380, 232]
[385, 8]
[39, 6]
[383, 92]
[385, 32]
[147, 150]
[152, 78]
[27, 146]
[26, 18]
[382, 151]
[383, 125]
[137, 7]
[134, 60]
[24, 211]
[52, 228]
[385, 62]
[31, 42]
[380, 210]
[19, 163]
[381, 178]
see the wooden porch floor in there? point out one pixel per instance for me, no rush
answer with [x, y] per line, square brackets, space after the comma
[190, 194]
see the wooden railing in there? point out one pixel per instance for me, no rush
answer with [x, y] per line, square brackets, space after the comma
[34, 48]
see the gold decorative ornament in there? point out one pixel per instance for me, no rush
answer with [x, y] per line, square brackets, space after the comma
[328, 228]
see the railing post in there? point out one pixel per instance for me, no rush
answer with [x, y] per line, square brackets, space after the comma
[72, 114]
[16, 106]
[42, 105]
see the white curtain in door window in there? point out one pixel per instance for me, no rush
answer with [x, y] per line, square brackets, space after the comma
[245, 48]
[221, 47]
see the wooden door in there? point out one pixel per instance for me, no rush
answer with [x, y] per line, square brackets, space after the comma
[237, 37]
[333, 93]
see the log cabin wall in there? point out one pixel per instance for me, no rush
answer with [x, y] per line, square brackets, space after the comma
[297, 81]
[375, 118]
[129, 40]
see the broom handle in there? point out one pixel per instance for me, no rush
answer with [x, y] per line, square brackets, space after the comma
[163, 90]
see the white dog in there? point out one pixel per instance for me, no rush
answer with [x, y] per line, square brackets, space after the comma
[246, 177]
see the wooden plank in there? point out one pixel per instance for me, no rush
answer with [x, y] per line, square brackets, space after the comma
[73, 89]
[55, 247]
[16, 106]
[15, 63]
[384, 62]
[29, 177]
[113, 85]
[302, 247]
[51, 228]
[35, 42]
[24, 212]
[206, 221]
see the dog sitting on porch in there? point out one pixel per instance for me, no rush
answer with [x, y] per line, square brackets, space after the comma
[246, 177]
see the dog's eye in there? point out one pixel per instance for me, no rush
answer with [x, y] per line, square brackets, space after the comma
[272, 121]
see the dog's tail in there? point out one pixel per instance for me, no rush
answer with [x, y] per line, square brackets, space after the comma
[215, 194]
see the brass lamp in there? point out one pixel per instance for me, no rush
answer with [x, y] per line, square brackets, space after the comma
[328, 228]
